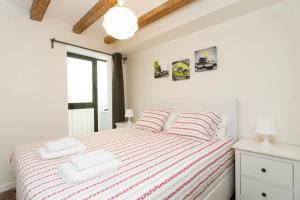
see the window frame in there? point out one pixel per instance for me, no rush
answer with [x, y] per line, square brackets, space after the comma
[94, 104]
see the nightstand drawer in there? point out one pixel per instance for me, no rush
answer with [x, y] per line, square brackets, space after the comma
[276, 172]
[254, 190]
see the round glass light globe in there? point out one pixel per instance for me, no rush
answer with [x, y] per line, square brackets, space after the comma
[120, 23]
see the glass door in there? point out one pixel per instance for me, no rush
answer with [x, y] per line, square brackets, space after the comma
[82, 94]
[104, 104]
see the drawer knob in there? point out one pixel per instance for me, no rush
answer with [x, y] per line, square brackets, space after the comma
[263, 194]
[263, 170]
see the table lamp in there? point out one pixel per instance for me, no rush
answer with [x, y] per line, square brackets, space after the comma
[129, 114]
[266, 126]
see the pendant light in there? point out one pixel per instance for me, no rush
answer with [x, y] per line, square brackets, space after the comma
[120, 22]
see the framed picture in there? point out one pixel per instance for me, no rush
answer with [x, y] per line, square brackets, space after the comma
[160, 69]
[206, 59]
[181, 70]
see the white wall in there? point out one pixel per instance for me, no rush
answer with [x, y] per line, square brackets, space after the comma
[33, 80]
[258, 64]
[195, 16]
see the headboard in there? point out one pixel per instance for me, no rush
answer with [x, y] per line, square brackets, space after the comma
[220, 105]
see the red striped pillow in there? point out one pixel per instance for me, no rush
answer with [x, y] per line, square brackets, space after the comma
[152, 120]
[197, 125]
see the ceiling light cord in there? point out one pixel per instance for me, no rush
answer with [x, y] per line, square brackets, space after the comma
[120, 2]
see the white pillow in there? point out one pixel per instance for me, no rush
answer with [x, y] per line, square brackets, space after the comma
[201, 126]
[223, 131]
[152, 120]
[171, 119]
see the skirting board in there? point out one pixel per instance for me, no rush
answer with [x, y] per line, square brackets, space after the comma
[7, 186]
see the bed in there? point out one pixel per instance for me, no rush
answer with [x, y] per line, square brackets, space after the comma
[154, 165]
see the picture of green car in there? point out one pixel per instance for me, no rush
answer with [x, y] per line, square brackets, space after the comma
[181, 70]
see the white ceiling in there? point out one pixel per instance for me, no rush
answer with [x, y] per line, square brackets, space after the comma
[70, 11]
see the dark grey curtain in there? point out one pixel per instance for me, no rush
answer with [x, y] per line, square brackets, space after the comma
[118, 104]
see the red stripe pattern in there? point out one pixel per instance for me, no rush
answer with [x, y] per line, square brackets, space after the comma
[200, 126]
[152, 120]
[154, 166]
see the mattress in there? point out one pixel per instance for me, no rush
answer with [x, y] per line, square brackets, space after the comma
[154, 166]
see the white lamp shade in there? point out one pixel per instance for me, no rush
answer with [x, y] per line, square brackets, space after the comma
[266, 126]
[120, 23]
[129, 113]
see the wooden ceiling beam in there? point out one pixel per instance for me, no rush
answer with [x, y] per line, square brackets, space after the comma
[157, 13]
[93, 15]
[38, 9]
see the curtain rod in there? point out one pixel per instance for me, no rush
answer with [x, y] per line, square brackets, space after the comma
[53, 40]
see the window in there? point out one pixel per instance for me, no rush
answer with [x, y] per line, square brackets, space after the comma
[82, 79]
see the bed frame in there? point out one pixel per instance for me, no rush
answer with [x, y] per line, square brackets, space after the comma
[223, 187]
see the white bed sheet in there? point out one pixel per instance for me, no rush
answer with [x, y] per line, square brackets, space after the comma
[155, 166]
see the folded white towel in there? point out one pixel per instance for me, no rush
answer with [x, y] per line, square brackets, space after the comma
[70, 175]
[44, 154]
[91, 159]
[61, 144]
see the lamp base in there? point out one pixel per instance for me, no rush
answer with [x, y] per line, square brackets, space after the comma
[266, 140]
[129, 122]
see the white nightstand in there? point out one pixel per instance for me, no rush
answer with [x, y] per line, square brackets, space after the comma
[266, 173]
[124, 124]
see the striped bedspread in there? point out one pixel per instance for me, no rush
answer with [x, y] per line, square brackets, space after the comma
[154, 166]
